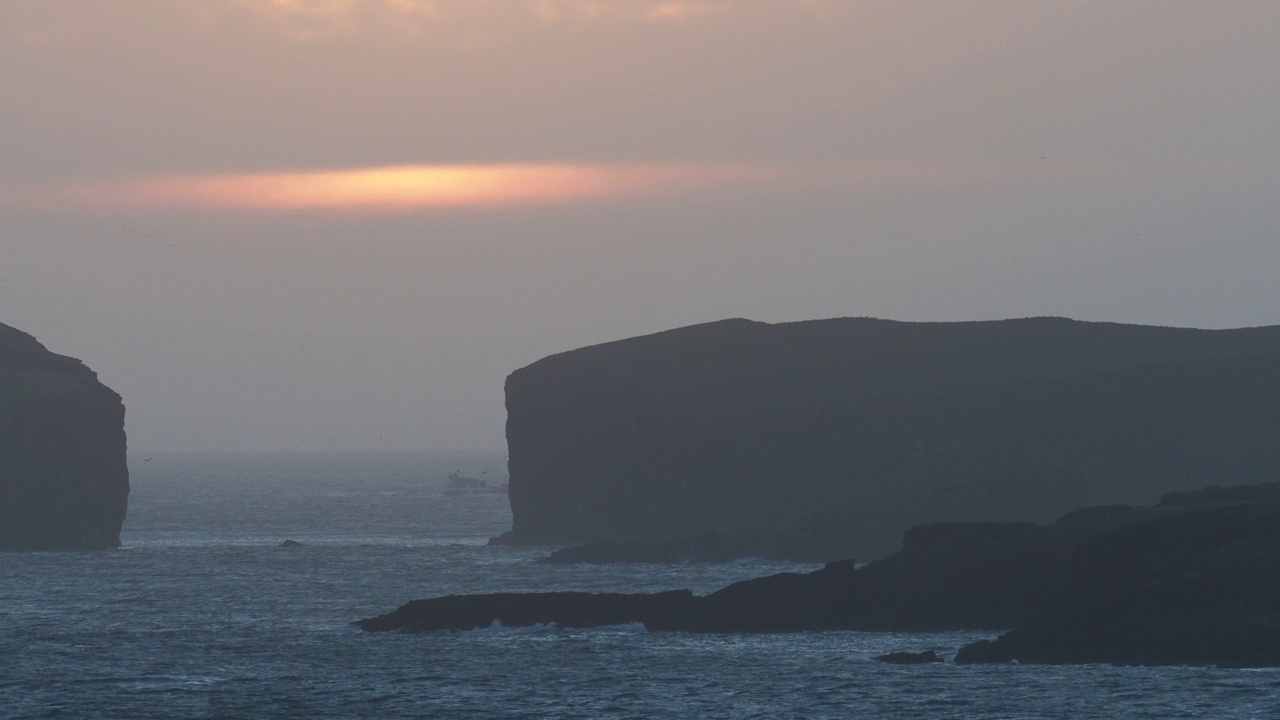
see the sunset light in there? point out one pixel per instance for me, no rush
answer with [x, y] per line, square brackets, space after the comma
[404, 187]
[558, 358]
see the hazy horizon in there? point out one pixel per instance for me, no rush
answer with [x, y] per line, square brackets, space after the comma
[294, 225]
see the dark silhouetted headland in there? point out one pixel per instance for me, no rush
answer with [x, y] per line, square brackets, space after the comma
[64, 482]
[826, 439]
[1192, 580]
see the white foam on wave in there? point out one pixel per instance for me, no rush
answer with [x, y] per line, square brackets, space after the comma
[497, 626]
[542, 628]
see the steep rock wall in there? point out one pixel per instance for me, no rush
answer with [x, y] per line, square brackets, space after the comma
[826, 439]
[64, 482]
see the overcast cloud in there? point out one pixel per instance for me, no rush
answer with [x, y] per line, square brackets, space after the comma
[772, 159]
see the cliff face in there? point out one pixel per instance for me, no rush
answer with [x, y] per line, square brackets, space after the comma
[826, 439]
[64, 483]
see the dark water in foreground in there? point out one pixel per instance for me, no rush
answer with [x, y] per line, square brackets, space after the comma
[203, 616]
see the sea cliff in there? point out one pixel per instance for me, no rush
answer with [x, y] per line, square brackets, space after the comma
[64, 482]
[827, 439]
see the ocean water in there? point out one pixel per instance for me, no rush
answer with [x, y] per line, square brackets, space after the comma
[203, 615]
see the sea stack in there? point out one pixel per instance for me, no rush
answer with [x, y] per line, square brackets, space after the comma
[64, 481]
[826, 439]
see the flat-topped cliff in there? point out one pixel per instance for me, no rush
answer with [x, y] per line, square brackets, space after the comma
[826, 439]
[64, 482]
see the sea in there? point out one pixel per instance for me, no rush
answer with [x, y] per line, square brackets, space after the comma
[202, 614]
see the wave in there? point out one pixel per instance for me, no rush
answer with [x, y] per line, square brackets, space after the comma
[546, 628]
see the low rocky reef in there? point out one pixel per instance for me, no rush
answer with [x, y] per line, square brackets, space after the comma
[64, 481]
[1192, 580]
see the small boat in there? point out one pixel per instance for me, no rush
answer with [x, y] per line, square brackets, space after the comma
[458, 481]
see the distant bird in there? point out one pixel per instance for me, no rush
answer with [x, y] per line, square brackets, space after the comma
[146, 459]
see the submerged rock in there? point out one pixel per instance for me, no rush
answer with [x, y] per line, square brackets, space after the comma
[64, 482]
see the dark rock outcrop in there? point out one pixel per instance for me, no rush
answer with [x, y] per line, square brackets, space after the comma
[826, 439]
[1193, 580]
[64, 482]
[911, 658]
[565, 609]
[705, 548]
[710, 549]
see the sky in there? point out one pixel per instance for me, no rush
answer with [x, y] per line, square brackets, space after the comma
[339, 224]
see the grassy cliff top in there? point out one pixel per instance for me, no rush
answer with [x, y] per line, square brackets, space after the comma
[29, 372]
[851, 353]
[14, 340]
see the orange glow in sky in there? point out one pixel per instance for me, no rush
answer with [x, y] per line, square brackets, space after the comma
[405, 187]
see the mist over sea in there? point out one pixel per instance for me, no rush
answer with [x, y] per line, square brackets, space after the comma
[204, 615]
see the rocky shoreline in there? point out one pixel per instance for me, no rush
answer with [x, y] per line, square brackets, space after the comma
[1192, 580]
